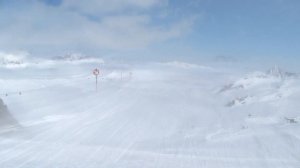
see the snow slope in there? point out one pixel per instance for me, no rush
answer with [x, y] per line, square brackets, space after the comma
[154, 115]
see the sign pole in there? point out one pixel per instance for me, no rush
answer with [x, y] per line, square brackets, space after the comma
[96, 73]
[96, 83]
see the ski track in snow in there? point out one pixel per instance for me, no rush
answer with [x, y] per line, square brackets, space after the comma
[173, 120]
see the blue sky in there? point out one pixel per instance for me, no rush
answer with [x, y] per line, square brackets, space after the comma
[152, 29]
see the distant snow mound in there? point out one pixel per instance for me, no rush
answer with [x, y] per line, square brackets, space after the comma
[279, 73]
[250, 80]
[119, 75]
[185, 65]
[260, 87]
[5, 117]
[294, 120]
[270, 77]
[77, 58]
[13, 60]
[239, 101]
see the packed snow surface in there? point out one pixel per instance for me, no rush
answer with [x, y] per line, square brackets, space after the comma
[174, 115]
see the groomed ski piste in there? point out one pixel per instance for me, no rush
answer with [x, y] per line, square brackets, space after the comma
[154, 115]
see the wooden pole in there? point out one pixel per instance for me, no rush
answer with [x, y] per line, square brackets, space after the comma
[96, 73]
[96, 83]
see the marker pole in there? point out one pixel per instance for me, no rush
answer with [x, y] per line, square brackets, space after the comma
[96, 73]
[96, 83]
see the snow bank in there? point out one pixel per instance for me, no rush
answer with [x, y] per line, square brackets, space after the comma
[185, 65]
[261, 87]
[5, 117]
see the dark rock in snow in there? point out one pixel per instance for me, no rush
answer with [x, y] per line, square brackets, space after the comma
[6, 119]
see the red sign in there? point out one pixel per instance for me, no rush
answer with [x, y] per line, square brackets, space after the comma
[96, 72]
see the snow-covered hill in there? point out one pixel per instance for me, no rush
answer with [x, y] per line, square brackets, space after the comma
[77, 58]
[154, 115]
[13, 60]
[270, 86]
[23, 60]
[6, 119]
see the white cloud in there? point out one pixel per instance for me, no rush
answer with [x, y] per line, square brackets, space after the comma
[98, 6]
[42, 27]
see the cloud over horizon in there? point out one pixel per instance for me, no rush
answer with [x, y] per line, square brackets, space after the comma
[152, 29]
[47, 25]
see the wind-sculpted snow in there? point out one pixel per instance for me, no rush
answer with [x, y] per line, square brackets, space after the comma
[259, 87]
[76, 58]
[6, 119]
[149, 116]
[13, 60]
[23, 60]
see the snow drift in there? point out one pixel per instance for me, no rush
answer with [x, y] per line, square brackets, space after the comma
[153, 115]
[6, 118]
